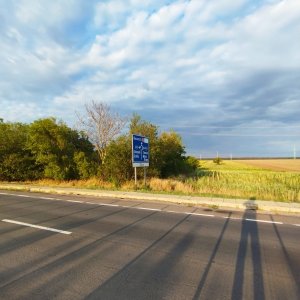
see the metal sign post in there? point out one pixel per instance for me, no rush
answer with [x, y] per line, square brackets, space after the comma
[140, 154]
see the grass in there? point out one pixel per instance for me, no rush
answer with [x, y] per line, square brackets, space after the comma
[252, 179]
[231, 179]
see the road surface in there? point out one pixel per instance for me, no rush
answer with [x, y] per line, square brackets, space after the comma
[70, 247]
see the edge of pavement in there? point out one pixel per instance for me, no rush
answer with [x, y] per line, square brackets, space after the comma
[270, 206]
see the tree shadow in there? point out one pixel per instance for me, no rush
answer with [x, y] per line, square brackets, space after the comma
[249, 234]
[292, 263]
[74, 255]
[211, 260]
[113, 280]
[68, 225]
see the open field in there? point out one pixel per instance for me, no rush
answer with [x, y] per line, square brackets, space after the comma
[274, 164]
[253, 164]
[231, 179]
[251, 179]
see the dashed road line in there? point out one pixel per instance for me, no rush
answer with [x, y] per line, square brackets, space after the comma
[107, 204]
[202, 215]
[75, 201]
[153, 209]
[263, 221]
[36, 226]
[232, 218]
[146, 208]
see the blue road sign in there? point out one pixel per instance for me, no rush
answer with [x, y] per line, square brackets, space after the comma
[140, 151]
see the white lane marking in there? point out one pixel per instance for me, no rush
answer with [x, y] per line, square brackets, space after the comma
[263, 221]
[171, 211]
[146, 208]
[36, 226]
[232, 218]
[107, 204]
[29, 196]
[203, 215]
[75, 201]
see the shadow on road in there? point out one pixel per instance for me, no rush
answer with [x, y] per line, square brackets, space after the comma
[211, 259]
[292, 262]
[113, 281]
[249, 237]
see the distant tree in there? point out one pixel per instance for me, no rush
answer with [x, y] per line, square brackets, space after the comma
[101, 125]
[217, 160]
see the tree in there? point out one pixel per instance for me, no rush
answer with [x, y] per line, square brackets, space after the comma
[118, 164]
[166, 153]
[171, 154]
[217, 160]
[145, 128]
[101, 125]
[16, 161]
[63, 152]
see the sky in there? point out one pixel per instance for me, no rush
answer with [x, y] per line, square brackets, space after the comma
[224, 74]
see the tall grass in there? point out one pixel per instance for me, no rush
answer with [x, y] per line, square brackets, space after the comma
[227, 180]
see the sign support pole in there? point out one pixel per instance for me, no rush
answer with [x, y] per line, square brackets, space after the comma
[135, 178]
[145, 172]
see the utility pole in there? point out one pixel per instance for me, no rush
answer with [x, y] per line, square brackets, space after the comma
[230, 156]
[295, 152]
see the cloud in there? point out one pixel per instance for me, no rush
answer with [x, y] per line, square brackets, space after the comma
[178, 63]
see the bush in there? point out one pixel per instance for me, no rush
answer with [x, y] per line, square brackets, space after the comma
[217, 160]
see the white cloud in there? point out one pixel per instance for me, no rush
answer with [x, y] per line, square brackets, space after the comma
[218, 61]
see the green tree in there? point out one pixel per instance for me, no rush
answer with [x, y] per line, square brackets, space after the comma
[142, 127]
[217, 160]
[171, 153]
[16, 161]
[63, 152]
[166, 153]
[118, 164]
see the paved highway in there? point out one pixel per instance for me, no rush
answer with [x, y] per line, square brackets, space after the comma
[70, 247]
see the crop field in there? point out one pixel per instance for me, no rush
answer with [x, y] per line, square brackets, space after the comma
[292, 165]
[276, 180]
[274, 164]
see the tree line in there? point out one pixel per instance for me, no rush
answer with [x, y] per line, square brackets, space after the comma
[101, 147]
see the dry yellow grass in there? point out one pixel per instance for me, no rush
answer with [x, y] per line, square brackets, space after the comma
[88, 183]
[274, 164]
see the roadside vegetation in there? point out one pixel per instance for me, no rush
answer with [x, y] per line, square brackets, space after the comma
[48, 152]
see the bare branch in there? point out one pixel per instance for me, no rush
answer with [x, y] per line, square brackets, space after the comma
[101, 125]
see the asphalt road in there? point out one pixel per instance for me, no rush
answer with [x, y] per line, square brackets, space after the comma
[119, 249]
